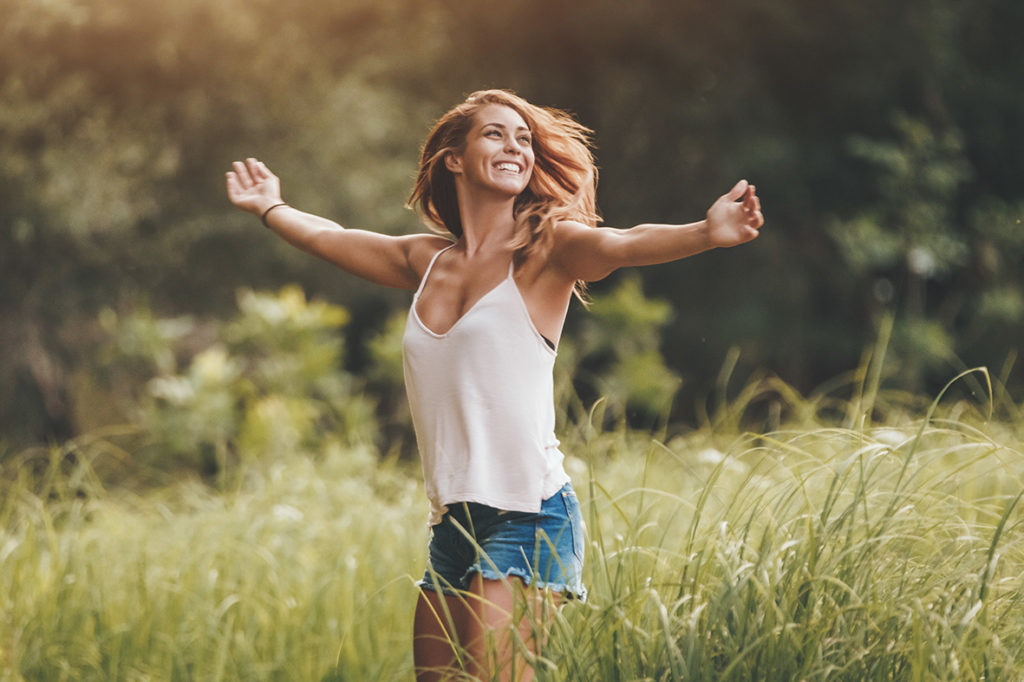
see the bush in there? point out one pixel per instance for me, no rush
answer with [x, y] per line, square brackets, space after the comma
[267, 381]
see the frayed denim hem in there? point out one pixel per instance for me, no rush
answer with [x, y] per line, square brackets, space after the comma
[575, 593]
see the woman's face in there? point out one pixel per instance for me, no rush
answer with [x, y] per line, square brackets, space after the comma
[498, 152]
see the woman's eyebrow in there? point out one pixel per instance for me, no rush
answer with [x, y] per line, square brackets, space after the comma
[502, 126]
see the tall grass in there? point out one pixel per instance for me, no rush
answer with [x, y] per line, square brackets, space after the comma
[301, 571]
[872, 551]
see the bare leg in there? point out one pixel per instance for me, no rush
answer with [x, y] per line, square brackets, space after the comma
[506, 615]
[437, 625]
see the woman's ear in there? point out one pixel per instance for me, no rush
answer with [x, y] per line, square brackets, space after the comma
[453, 162]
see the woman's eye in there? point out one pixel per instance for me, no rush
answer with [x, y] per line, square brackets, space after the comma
[525, 140]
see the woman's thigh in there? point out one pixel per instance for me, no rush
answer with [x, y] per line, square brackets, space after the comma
[504, 611]
[440, 627]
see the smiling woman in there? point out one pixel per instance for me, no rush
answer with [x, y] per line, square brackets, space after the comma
[510, 188]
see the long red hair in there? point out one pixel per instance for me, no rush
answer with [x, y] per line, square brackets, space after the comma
[563, 185]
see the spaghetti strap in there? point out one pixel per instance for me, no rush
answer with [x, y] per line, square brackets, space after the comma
[426, 273]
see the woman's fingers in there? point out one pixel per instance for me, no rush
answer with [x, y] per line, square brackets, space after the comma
[257, 170]
[243, 181]
[750, 198]
[738, 190]
[758, 216]
[752, 206]
[249, 174]
[242, 173]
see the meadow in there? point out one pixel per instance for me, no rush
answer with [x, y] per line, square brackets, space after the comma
[873, 538]
[259, 515]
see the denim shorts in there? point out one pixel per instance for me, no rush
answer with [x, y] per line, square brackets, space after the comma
[544, 549]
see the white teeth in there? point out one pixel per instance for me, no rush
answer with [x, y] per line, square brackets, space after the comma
[511, 167]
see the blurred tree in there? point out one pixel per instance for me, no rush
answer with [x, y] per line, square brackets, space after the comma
[909, 237]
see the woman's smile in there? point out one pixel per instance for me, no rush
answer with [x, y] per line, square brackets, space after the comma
[509, 167]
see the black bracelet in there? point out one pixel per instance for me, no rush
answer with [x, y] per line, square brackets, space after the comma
[263, 218]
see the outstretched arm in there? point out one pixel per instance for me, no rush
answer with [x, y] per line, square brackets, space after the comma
[381, 259]
[590, 254]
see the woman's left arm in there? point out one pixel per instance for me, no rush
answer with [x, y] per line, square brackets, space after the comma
[590, 254]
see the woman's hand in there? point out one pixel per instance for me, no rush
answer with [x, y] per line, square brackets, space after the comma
[735, 217]
[252, 187]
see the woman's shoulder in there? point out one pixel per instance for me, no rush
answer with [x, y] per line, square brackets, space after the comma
[580, 252]
[567, 237]
[570, 233]
[571, 226]
[421, 249]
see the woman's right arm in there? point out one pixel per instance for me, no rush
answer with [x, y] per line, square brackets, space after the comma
[381, 259]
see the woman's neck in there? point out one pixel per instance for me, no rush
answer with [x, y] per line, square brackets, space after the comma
[487, 221]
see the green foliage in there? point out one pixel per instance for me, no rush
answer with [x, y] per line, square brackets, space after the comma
[999, 230]
[142, 341]
[386, 353]
[194, 415]
[1001, 305]
[911, 226]
[268, 382]
[615, 354]
[386, 379]
[911, 234]
[291, 343]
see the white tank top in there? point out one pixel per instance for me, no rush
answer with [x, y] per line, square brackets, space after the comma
[482, 403]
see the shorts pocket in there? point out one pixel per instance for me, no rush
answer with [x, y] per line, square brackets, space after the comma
[575, 517]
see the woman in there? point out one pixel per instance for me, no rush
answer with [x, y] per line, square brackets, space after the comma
[511, 187]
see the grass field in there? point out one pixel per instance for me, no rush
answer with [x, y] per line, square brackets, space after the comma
[815, 551]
